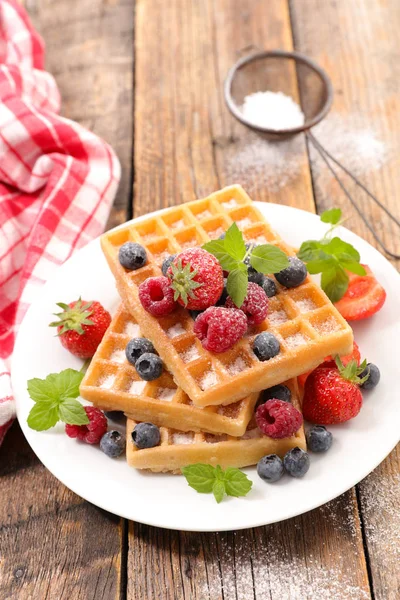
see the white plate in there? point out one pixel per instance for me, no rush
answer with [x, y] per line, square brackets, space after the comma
[166, 500]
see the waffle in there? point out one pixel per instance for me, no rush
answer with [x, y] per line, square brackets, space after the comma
[303, 319]
[111, 383]
[178, 449]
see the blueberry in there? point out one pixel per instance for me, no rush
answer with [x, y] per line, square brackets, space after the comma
[278, 392]
[113, 443]
[132, 256]
[294, 274]
[254, 276]
[266, 346]
[269, 287]
[167, 263]
[115, 415]
[136, 347]
[149, 366]
[195, 313]
[296, 462]
[270, 468]
[319, 439]
[373, 379]
[146, 435]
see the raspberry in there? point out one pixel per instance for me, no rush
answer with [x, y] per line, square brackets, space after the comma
[196, 278]
[255, 305]
[219, 328]
[94, 431]
[156, 296]
[278, 419]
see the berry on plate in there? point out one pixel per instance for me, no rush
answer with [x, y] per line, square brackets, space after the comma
[374, 376]
[196, 278]
[93, 431]
[294, 274]
[270, 468]
[319, 439]
[363, 298]
[276, 392]
[332, 395]
[266, 346]
[296, 462]
[136, 347]
[219, 328]
[278, 419]
[329, 361]
[132, 256]
[254, 276]
[146, 435]
[113, 444]
[149, 366]
[269, 286]
[156, 296]
[255, 305]
[81, 326]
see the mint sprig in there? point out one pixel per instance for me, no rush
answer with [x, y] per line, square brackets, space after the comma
[332, 257]
[206, 479]
[55, 400]
[231, 252]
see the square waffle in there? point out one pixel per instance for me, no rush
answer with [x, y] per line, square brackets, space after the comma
[111, 383]
[303, 319]
[178, 449]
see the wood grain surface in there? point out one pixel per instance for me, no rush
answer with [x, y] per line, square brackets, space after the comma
[185, 144]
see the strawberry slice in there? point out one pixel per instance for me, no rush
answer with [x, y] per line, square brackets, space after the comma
[329, 362]
[364, 297]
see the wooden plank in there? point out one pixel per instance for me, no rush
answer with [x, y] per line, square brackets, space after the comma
[357, 43]
[186, 146]
[90, 52]
[52, 543]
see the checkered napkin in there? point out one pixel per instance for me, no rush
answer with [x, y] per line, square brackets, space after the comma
[57, 183]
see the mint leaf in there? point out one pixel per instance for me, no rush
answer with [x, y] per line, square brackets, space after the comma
[331, 216]
[310, 250]
[342, 250]
[217, 249]
[236, 482]
[42, 416]
[67, 383]
[236, 285]
[41, 390]
[218, 490]
[200, 477]
[324, 263]
[72, 412]
[268, 259]
[335, 282]
[354, 267]
[234, 242]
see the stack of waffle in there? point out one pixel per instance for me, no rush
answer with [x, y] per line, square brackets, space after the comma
[204, 402]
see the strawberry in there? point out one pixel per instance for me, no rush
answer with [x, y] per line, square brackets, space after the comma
[329, 361]
[196, 278]
[332, 395]
[81, 326]
[363, 298]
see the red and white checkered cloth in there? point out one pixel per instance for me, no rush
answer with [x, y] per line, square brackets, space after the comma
[57, 182]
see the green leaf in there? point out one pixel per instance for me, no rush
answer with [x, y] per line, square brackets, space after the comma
[236, 482]
[217, 249]
[218, 490]
[41, 390]
[335, 282]
[331, 216]
[342, 250]
[322, 264]
[234, 243]
[268, 259]
[72, 412]
[353, 267]
[236, 285]
[309, 250]
[42, 416]
[200, 477]
[67, 383]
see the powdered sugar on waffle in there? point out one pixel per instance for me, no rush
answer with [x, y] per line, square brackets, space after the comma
[175, 330]
[190, 354]
[305, 305]
[208, 380]
[166, 394]
[132, 329]
[277, 317]
[298, 339]
[182, 438]
[118, 356]
[107, 382]
[137, 387]
[237, 366]
[328, 326]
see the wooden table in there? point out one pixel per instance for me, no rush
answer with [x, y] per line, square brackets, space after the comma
[148, 78]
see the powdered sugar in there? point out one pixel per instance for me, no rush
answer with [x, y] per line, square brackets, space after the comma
[178, 224]
[243, 223]
[237, 366]
[327, 326]
[137, 387]
[190, 354]
[204, 215]
[208, 380]
[216, 233]
[295, 340]
[132, 329]
[182, 438]
[272, 110]
[175, 330]
[305, 305]
[230, 204]
[107, 381]
[277, 317]
[166, 394]
[118, 356]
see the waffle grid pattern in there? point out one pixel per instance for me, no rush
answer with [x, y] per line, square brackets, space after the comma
[178, 449]
[111, 383]
[305, 322]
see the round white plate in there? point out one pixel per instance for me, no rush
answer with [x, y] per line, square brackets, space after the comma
[166, 500]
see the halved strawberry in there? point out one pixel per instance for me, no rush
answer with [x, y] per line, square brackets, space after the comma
[364, 297]
[329, 362]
